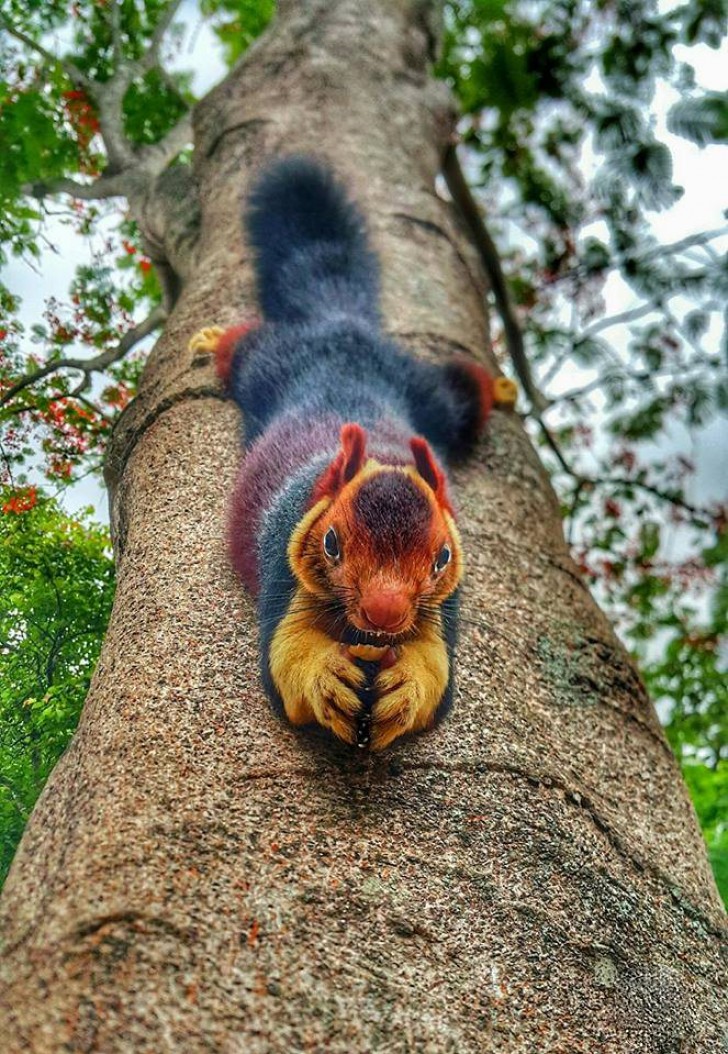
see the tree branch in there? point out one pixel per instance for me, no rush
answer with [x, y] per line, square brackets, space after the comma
[463, 198]
[700, 517]
[151, 56]
[115, 27]
[685, 371]
[104, 187]
[157, 156]
[75, 74]
[95, 365]
[701, 240]
[556, 450]
[110, 99]
[631, 315]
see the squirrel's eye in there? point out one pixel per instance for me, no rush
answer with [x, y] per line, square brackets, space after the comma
[331, 544]
[443, 559]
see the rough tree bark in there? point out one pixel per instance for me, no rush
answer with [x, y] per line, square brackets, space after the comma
[197, 876]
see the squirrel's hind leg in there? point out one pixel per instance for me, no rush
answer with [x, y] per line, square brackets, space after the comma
[452, 408]
[223, 344]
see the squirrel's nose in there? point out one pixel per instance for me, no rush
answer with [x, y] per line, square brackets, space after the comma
[386, 609]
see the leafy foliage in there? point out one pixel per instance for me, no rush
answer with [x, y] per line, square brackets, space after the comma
[57, 583]
[570, 166]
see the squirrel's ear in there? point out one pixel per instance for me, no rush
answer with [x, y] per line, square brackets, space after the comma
[353, 451]
[350, 459]
[429, 469]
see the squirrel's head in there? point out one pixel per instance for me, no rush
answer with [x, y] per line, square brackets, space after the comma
[379, 541]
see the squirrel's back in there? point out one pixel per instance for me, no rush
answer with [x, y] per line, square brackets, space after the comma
[312, 255]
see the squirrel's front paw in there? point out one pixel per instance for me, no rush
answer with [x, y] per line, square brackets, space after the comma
[400, 699]
[316, 679]
[331, 692]
[410, 691]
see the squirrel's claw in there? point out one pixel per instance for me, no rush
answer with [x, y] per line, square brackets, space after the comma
[505, 393]
[411, 689]
[333, 697]
[206, 339]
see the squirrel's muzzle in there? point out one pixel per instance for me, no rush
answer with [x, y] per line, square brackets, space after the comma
[386, 610]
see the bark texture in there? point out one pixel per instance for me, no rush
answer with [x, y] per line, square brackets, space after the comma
[198, 877]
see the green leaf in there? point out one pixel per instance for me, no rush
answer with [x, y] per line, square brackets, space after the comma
[56, 584]
[703, 120]
[649, 537]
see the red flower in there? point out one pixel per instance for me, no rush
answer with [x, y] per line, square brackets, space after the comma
[59, 467]
[22, 501]
[145, 266]
[117, 395]
[626, 458]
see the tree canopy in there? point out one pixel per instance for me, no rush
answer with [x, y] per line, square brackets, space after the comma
[560, 145]
[57, 582]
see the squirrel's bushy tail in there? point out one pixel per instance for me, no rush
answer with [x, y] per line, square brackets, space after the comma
[312, 255]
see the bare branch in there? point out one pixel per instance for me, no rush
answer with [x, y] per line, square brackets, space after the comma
[124, 161]
[157, 156]
[92, 406]
[110, 98]
[104, 187]
[701, 240]
[110, 95]
[681, 369]
[76, 75]
[624, 317]
[700, 517]
[693, 239]
[556, 450]
[463, 198]
[570, 517]
[115, 26]
[151, 56]
[94, 365]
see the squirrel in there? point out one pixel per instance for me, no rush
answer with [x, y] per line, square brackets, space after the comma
[341, 524]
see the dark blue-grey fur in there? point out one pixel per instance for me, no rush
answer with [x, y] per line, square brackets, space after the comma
[322, 348]
[311, 247]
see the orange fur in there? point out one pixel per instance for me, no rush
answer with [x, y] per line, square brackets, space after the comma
[409, 691]
[315, 676]
[318, 681]
[348, 462]
[226, 345]
[430, 471]
[364, 570]
[485, 385]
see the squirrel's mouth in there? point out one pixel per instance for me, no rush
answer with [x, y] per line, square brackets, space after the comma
[347, 627]
[353, 634]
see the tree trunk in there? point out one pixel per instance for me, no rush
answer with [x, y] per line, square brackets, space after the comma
[200, 877]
